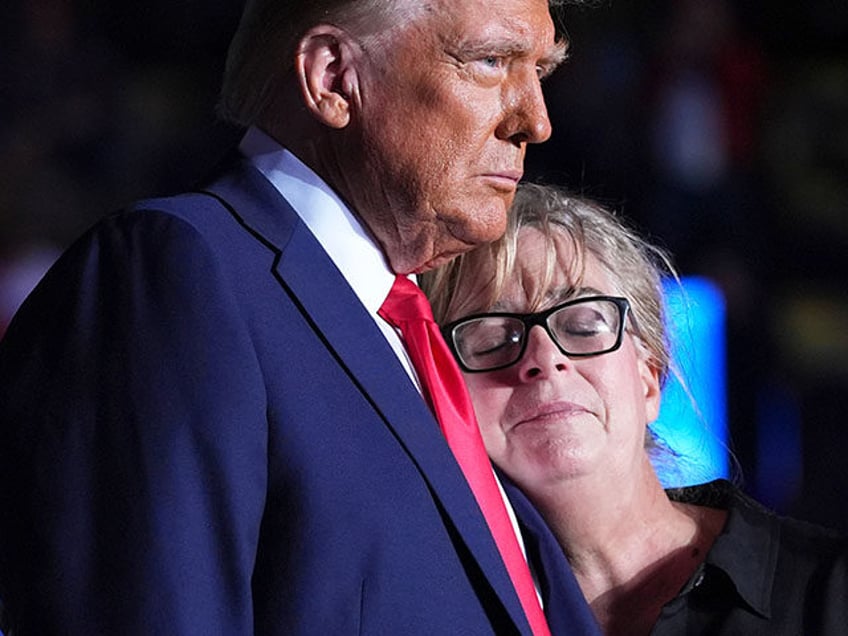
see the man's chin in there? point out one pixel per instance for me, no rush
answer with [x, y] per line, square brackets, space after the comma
[441, 259]
[485, 223]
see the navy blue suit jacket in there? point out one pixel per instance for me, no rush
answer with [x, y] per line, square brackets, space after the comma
[202, 431]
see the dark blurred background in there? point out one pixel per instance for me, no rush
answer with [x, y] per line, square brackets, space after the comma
[720, 128]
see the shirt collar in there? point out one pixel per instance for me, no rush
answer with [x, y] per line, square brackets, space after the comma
[746, 550]
[353, 250]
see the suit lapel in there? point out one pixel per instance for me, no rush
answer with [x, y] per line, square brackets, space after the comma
[314, 283]
[565, 607]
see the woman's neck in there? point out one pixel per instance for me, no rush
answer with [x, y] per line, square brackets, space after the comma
[631, 548]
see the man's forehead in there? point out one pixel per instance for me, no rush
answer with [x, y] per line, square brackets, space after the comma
[523, 35]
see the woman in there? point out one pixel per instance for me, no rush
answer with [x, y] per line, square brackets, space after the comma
[559, 330]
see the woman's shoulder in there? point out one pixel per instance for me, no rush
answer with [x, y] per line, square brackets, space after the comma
[750, 522]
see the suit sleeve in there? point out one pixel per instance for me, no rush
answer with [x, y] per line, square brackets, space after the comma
[132, 441]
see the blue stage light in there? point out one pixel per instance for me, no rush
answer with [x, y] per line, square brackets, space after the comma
[693, 415]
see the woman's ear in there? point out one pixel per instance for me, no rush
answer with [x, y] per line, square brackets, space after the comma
[651, 387]
[326, 66]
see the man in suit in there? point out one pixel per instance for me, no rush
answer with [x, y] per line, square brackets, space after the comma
[206, 427]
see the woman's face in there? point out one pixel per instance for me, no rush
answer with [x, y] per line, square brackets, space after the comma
[549, 418]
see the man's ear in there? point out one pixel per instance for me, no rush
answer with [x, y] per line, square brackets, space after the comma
[326, 65]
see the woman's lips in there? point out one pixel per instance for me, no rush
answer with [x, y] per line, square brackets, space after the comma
[550, 412]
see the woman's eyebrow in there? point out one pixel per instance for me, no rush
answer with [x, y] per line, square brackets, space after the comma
[562, 294]
[552, 297]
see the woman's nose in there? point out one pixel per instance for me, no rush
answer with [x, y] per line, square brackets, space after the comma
[542, 357]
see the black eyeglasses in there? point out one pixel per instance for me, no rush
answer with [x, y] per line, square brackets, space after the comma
[583, 327]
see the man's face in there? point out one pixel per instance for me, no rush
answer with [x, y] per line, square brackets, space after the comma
[448, 109]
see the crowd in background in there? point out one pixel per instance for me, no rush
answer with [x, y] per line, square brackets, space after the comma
[720, 127]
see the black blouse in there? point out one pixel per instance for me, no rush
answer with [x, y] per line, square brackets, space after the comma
[764, 574]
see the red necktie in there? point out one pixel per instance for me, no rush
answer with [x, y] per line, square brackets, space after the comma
[444, 388]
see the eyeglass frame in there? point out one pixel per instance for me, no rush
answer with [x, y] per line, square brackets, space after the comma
[539, 318]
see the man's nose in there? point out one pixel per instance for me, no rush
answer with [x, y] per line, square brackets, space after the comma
[525, 114]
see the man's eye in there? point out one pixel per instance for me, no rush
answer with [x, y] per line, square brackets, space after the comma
[493, 61]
